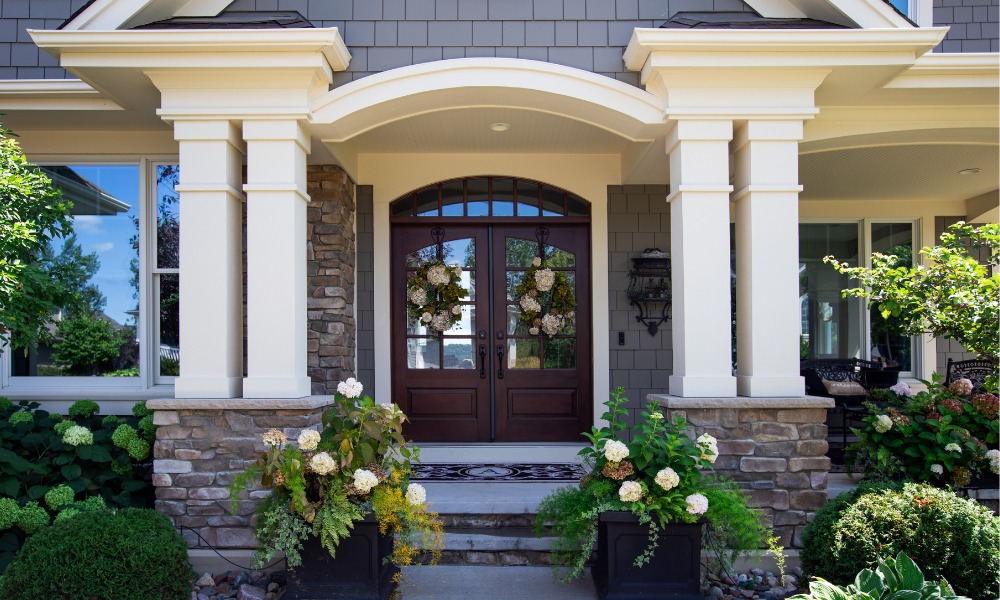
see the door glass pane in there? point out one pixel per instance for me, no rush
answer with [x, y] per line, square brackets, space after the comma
[830, 323]
[514, 324]
[888, 341]
[523, 353]
[466, 325]
[403, 207]
[577, 207]
[552, 202]
[521, 252]
[423, 353]
[459, 354]
[527, 199]
[452, 198]
[478, 191]
[560, 353]
[557, 257]
[427, 202]
[168, 225]
[503, 197]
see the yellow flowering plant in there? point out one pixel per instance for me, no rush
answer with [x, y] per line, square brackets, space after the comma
[328, 479]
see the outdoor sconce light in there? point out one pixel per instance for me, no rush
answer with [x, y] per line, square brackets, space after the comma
[649, 288]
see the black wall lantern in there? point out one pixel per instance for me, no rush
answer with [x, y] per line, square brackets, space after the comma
[649, 288]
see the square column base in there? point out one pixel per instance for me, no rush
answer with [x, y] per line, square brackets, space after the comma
[208, 387]
[759, 386]
[687, 386]
[277, 387]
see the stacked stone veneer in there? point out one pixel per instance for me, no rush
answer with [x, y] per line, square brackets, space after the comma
[774, 447]
[201, 445]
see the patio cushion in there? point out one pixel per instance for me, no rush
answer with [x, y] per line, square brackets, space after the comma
[843, 388]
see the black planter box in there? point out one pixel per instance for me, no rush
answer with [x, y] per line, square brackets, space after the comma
[674, 571]
[362, 569]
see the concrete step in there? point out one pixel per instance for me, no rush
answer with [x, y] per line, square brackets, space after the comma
[554, 452]
[488, 498]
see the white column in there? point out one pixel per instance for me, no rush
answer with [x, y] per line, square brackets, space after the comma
[767, 264]
[211, 282]
[276, 259]
[699, 247]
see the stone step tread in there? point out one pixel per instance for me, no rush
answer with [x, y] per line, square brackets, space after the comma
[496, 540]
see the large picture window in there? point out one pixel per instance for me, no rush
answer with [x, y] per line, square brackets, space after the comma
[838, 327]
[122, 259]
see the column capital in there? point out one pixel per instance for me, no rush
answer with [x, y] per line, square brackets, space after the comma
[768, 130]
[209, 131]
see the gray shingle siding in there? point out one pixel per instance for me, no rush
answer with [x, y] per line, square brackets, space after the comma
[974, 25]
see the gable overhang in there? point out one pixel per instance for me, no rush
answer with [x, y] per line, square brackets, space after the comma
[122, 14]
[867, 14]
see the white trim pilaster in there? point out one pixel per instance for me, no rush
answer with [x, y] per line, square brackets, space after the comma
[699, 247]
[767, 250]
[211, 290]
[276, 259]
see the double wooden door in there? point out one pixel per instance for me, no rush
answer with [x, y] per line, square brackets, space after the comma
[490, 377]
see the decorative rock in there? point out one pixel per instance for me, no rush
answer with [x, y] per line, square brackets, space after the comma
[743, 577]
[205, 580]
[250, 592]
[715, 592]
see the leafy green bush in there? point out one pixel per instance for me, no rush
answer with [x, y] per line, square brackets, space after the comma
[895, 579]
[953, 538]
[121, 555]
[86, 344]
[46, 457]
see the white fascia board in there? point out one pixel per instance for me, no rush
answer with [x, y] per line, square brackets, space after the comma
[107, 14]
[778, 47]
[202, 8]
[862, 13]
[52, 94]
[960, 70]
[244, 45]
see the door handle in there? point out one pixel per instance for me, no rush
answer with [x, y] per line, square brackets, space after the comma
[482, 361]
[499, 361]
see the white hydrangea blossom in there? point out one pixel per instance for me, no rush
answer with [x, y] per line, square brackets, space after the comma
[441, 321]
[696, 504]
[667, 478]
[308, 439]
[438, 275]
[937, 469]
[883, 423]
[351, 388]
[365, 480]
[323, 463]
[274, 437]
[456, 269]
[994, 457]
[457, 309]
[902, 388]
[551, 324]
[418, 296]
[631, 491]
[78, 435]
[615, 451]
[533, 331]
[416, 494]
[953, 447]
[426, 317]
[529, 304]
[544, 280]
[709, 447]
[537, 261]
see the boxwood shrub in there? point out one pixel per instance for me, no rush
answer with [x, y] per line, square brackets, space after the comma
[113, 555]
[946, 535]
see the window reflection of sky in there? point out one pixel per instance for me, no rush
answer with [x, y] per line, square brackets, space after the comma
[110, 236]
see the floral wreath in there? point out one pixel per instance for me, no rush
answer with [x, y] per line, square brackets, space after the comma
[433, 295]
[543, 285]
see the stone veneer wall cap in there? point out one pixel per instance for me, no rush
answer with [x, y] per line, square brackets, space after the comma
[669, 401]
[307, 403]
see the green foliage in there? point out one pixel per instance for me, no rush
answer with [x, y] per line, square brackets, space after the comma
[279, 529]
[84, 409]
[59, 496]
[572, 513]
[335, 520]
[86, 344]
[130, 553]
[954, 295]
[9, 510]
[734, 529]
[21, 416]
[32, 214]
[894, 579]
[952, 538]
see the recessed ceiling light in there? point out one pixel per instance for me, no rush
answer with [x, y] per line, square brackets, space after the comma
[500, 126]
[971, 171]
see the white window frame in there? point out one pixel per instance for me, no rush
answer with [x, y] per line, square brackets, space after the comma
[117, 393]
[865, 260]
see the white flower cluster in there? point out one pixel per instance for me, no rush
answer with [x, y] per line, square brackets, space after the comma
[709, 447]
[667, 478]
[457, 269]
[552, 324]
[615, 451]
[533, 331]
[351, 388]
[418, 296]
[529, 304]
[537, 261]
[365, 480]
[883, 423]
[78, 435]
[308, 440]
[903, 389]
[457, 309]
[696, 504]
[937, 469]
[441, 321]
[416, 494]
[426, 317]
[323, 463]
[438, 275]
[994, 457]
[953, 447]
[544, 280]
[631, 491]
[274, 437]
